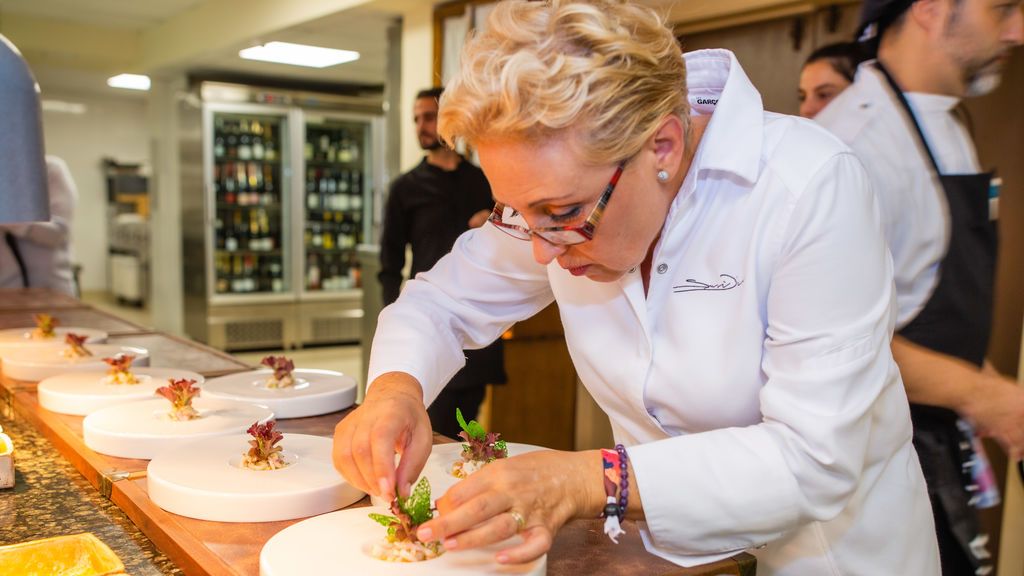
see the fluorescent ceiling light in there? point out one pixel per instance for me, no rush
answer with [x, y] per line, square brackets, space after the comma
[298, 54]
[129, 81]
[63, 107]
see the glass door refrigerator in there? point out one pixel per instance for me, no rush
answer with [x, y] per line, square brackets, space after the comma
[277, 191]
[336, 201]
[249, 205]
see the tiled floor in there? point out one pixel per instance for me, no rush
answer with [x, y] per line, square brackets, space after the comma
[344, 359]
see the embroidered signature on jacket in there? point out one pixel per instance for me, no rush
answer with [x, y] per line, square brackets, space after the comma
[726, 282]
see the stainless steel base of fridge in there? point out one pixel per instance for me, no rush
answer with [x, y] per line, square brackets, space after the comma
[285, 325]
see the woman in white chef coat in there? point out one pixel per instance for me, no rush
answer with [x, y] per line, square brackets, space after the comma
[725, 291]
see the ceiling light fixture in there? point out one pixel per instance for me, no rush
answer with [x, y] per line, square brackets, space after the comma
[298, 54]
[63, 107]
[129, 81]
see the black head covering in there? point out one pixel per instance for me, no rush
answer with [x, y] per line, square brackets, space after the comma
[877, 15]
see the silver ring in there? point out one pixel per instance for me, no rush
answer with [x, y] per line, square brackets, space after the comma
[520, 521]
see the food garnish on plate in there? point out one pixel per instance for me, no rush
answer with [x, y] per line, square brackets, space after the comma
[401, 544]
[264, 453]
[76, 346]
[282, 367]
[180, 393]
[45, 327]
[481, 447]
[120, 371]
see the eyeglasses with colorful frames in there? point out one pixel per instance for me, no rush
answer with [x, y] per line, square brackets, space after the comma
[561, 235]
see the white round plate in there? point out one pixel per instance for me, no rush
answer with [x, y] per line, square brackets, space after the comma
[315, 392]
[438, 468]
[143, 429]
[82, 393]
[205, 480]
[40, 362]
[340, 542]
[17, 337]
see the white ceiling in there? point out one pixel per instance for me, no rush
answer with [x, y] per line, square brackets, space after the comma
[361, 29]
[126, 14]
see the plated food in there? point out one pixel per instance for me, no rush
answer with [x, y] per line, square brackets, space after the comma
[120, 372]
[82, 392]
[145, 428]
[400, 543]
[481, 447]
[208, 479]
[343, 541]
[39, 362]
[180, 393]
[264, 453]
[282, 367]
[47, 331]
[289, 392]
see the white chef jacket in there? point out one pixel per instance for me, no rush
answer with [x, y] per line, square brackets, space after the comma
[753, 386]
[45, 247]
[915, 214]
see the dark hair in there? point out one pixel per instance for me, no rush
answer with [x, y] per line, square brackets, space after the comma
[843, 57]
[433, 93]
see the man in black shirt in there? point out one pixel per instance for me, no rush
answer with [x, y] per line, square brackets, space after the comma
[427, 209]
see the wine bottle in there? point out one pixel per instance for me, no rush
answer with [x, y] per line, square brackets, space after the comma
[270, 152]
[276, 281]
[231, 241]
[231, 140]
[313, 273]
[257, 141]
[244, 141]
[218, 139]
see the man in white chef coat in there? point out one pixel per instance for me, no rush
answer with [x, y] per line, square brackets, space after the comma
[939, 211]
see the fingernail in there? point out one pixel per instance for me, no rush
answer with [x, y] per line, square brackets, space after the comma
[449, 544]
[425, 534]
[384, 487]
[502, 559]
[407, 489]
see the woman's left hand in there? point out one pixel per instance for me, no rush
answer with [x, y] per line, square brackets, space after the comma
[532, 494]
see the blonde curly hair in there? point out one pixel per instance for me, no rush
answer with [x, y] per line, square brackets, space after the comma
[606, 71]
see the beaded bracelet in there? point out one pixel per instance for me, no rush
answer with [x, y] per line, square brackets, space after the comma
[615, 466]
[624, 480]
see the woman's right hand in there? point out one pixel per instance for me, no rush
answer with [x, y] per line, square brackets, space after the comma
[391, 419]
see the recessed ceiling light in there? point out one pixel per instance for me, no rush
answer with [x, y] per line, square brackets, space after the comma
[298, 54]
[63, 107]
[129, 81]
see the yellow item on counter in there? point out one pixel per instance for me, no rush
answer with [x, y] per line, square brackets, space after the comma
[75, 555]
[6, 446]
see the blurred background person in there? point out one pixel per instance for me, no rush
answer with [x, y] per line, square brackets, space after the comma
[828, 71]
[38, 254]
[428, 207]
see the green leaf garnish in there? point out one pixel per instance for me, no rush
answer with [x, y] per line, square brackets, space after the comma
[383, 519]
[417, 505]
[473, 429]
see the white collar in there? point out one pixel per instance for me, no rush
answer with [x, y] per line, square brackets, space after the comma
[732, 141]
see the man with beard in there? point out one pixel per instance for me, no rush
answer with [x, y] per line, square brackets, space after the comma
[939, 213]
[427, 209]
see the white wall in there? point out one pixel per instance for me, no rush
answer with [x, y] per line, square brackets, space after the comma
[111, 126]
[417, 74]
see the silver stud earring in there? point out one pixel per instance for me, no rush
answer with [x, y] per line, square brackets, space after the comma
[662, 176]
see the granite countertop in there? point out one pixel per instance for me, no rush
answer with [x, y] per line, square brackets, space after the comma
[50, 498]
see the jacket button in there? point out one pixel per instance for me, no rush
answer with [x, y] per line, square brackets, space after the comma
[662, 268]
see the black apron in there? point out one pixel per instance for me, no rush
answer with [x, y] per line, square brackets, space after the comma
[956, 321]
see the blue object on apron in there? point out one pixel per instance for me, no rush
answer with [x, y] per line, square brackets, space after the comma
[956, 320]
